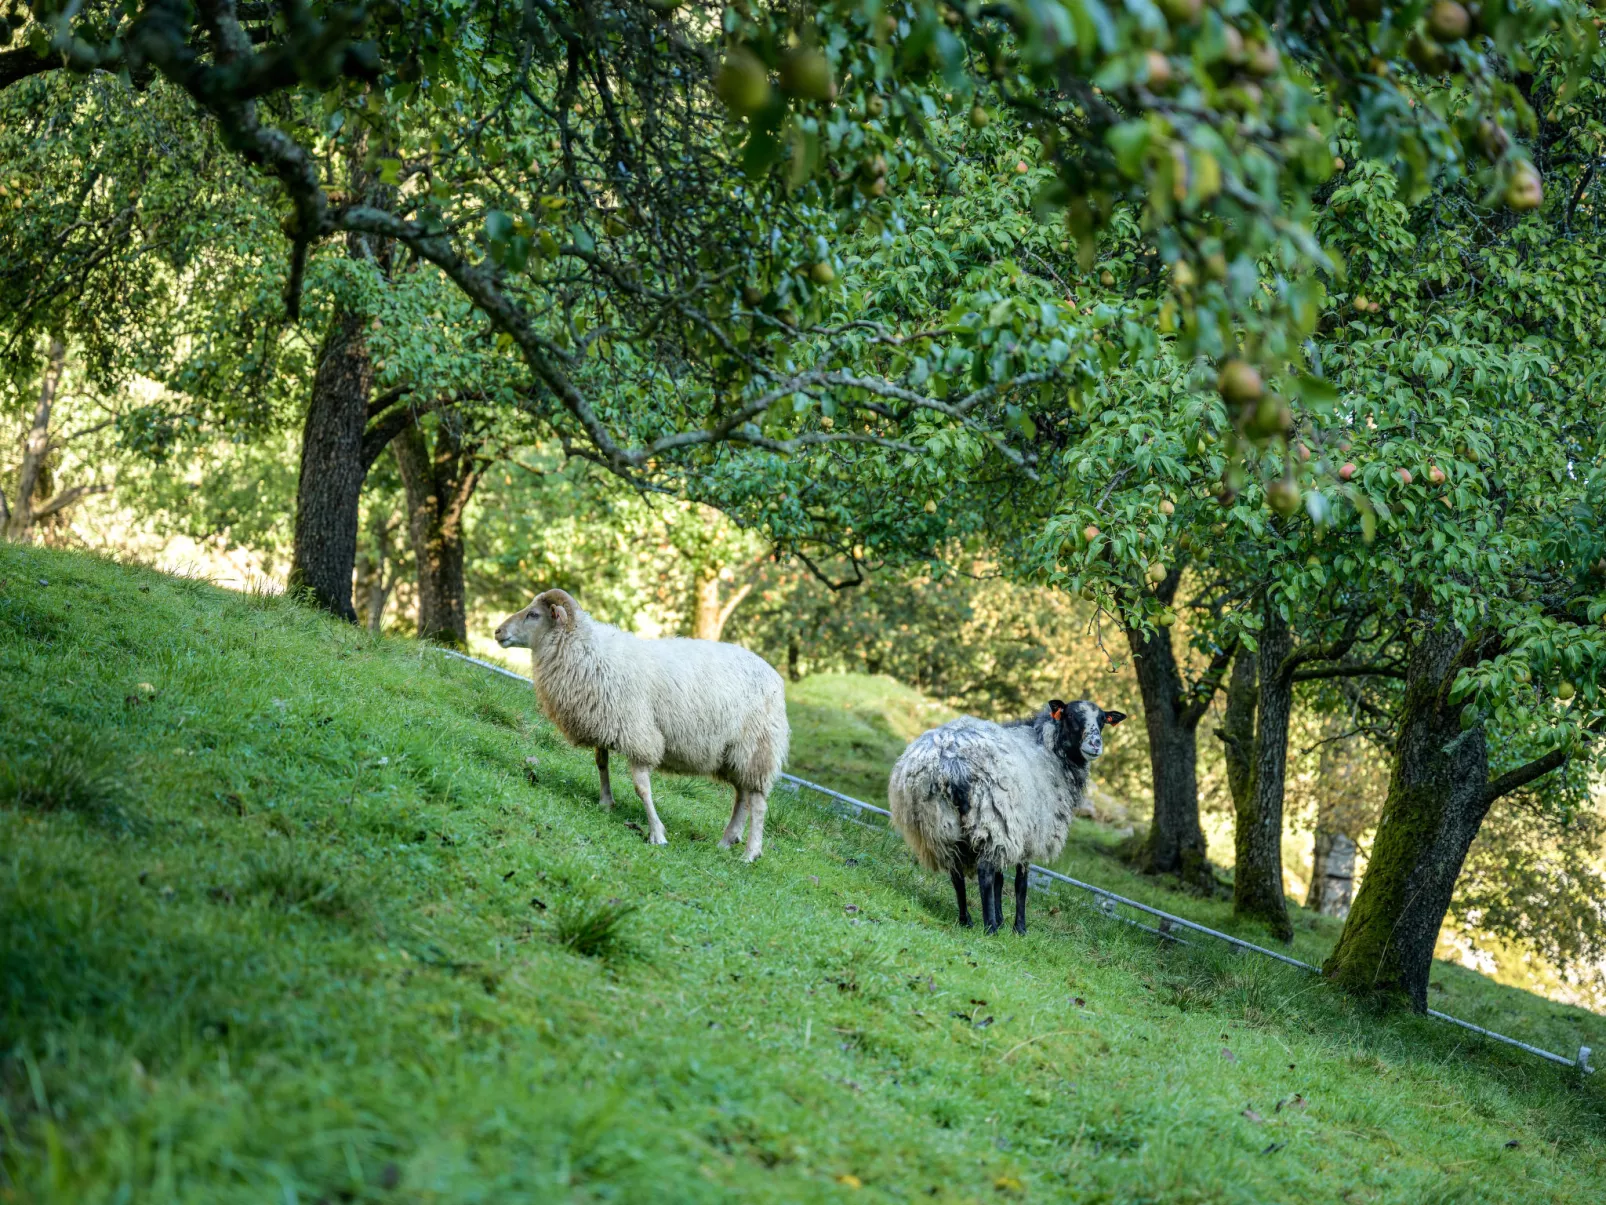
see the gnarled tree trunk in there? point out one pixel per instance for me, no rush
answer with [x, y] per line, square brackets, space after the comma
[439, 482]
[1257, 884]
[1438, 796]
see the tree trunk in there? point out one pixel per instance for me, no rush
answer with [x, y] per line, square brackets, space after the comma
[713, 612]
[1257, 884]
[1175, 843]
[1237, 731]
[1438, 796]
[1332, 876]
[334, 460]
[332, 468]
[376, 576]
[439, 484]
[36, 447]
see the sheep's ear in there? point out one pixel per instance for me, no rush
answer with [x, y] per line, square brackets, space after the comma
[1056, 708]
[558, 606]
[1114, 717]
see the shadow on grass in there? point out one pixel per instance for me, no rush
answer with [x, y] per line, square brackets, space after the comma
[68, 779]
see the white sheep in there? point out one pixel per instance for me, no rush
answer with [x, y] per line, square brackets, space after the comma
[978, 795]
[687, 706]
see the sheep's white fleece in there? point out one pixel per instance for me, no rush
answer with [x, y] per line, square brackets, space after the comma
[687, 706]
[973, 791]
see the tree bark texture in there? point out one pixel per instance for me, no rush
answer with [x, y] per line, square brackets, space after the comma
[1438, 796]
[332, 468]
[1175, 843]
[439, 482]
[19, 522]
[1237, 731]
[1332, 876]
[1257, 885]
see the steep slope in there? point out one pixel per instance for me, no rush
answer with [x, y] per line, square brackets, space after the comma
[285, 914]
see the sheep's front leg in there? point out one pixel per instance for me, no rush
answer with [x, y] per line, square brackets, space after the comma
[958, 878]
[602, 773]
[757, 805]
[1020, 898]
[642, 777]
[738, 821]
[990, 883]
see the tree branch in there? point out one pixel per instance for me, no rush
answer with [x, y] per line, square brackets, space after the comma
[1348, 671]
[1514, 780]
[1204, 690]
[67, 497]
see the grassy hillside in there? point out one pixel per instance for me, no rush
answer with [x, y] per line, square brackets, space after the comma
[848, 729]
[287, 916]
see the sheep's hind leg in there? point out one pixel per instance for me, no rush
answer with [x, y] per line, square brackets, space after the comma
[958, 877]
[990, 883]
[757, 806]
[738, 821]
[602, 773]
[1020, 898]
[642, 777]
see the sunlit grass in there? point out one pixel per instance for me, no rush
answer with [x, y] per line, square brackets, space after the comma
[352, 952]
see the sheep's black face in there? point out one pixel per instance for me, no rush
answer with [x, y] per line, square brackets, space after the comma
[1082, 727]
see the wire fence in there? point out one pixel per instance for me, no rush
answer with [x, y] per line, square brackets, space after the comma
[1165, 924]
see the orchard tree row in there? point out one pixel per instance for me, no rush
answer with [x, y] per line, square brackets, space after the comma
[1285, 317]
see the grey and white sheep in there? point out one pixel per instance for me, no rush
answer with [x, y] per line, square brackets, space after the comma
[974, 795]
[687, 706]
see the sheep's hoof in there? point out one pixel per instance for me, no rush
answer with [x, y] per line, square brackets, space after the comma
[725, 842]
[752, 855]
[657, 839]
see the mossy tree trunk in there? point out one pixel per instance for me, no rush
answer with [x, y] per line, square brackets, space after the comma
[1257, 885]
[1237, 731]
[1171, 713]
[1437, 798]
[1439, 792]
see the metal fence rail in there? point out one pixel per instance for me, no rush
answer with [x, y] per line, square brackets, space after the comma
[1108, 903]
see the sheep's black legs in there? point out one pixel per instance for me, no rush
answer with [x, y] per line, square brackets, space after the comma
[991, 885]
[1020, 898]
[602, 773]
[959, 891]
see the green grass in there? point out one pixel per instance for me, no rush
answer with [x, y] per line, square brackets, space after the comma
[345, 950]
[848, 729]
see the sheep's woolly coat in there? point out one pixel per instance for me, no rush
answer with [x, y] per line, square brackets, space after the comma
[976, 792]
[687, 706]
